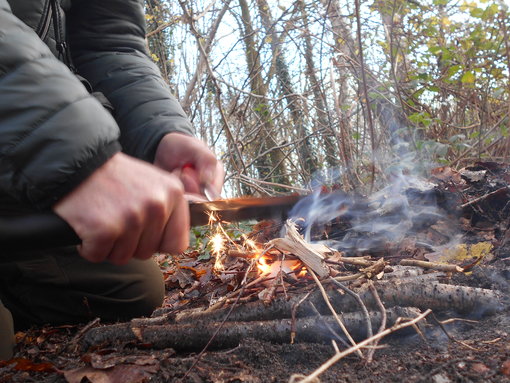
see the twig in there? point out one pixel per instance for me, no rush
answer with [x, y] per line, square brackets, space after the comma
[79, 334]
[441, 325]
[432, 265]
[199, 356]
[357, 261]
[382, 309]
[331, 330]
[330, 306]
[488, 195]
[347, 277]
[361, 304]
[293, 317]
[398, 326]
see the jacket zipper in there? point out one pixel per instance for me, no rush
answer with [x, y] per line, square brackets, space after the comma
[44, 27]
[61, 44]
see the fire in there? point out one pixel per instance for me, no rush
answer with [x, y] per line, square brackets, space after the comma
[287, 266]
[218, 246]
[213, 218]
[263, 266]
[266, 263]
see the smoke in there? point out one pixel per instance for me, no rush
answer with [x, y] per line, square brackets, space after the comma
[406, 204]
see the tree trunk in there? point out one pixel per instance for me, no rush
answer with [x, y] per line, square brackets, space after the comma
[270, 160]
[389, 115]
[330, 146]
[306, 153]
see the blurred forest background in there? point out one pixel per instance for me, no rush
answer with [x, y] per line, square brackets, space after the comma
[347, 90]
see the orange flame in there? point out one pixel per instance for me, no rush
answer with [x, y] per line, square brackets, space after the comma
[217, 245]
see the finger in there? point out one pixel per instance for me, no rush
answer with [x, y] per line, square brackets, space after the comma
[152, 232]
[206, 165]
[219, 177]
[96, 249]
[190, 180]
[191, 197]
[127, 243]
[176, 235]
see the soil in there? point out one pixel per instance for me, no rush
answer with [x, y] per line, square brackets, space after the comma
[484, 356]
[464, 351]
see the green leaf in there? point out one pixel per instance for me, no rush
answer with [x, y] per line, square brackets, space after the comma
[468, 78]
[476, 12]
[435, 50]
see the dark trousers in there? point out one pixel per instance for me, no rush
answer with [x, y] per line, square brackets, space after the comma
[58, 287]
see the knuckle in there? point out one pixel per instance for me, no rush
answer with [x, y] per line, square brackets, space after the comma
[133, 219]
[156, 209]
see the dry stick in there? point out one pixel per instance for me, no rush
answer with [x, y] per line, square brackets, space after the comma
[221, 324]
[337, 357]
[382, 309]
[357, 261]
[199, 356]
[233, 294]
[360, 302]
[333, 332]
[476, 200]
[441, 325]
[74, 342]
[299, 189]
[451, 320]
[432, 265]
[330, 306]
[293, 317]
[347, 277]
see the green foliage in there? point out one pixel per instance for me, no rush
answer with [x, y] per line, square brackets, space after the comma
[200, 236]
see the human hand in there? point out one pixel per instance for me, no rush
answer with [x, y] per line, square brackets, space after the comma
[127, 209]
[192, 161]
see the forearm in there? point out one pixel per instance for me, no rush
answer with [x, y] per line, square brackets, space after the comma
[112, 57]
[53, 134]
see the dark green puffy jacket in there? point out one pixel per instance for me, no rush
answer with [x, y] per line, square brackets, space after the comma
[53, 132]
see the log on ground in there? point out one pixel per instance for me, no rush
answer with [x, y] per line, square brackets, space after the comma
[194, 336]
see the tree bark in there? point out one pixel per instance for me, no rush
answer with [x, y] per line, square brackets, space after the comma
[269, 160]
[307, 156]
[389, 114]
[195, 336]
[330, 146]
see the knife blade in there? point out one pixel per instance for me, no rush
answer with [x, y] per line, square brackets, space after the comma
[47, 230]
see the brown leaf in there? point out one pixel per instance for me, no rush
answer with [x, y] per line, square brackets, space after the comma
[22, 364]
[480, 368]
[505, 367]
[121, 373]
[182, 278]
[98, 361]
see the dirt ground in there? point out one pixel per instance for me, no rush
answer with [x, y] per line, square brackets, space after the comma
[479, 353]
[476, 351]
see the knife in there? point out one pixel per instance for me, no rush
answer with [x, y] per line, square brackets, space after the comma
[46, 230]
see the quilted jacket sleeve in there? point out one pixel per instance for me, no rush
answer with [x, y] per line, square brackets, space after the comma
[53, 134]
[107, 41]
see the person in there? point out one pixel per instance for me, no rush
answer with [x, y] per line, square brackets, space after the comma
[89, 129]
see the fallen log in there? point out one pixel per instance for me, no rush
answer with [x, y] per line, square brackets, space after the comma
[194, 336]
[463, 300]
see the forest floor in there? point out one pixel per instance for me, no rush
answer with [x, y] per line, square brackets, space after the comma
[461, 351]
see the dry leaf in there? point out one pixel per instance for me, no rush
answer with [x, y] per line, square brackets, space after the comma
[23, 364]
[505, 368]
[480, 368]
[121, 373]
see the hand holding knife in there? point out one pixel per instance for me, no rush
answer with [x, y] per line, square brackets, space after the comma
[47, 230]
